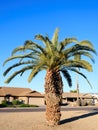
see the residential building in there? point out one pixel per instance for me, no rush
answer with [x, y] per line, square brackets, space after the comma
[23, 94]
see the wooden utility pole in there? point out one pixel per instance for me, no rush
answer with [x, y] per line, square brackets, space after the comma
[77, 87]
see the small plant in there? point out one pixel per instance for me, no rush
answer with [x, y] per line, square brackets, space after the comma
[15, 102]
[4, 103]
[73, 91]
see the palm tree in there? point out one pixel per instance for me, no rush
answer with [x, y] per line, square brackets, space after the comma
[79, 55]
[54, 57]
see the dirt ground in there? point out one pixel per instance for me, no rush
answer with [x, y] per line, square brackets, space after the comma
[70, 120]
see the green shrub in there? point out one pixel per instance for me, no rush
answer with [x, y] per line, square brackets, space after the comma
[15, 102]
[4, 103]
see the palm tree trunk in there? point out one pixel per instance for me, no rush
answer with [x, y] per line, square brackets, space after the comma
[53, 96]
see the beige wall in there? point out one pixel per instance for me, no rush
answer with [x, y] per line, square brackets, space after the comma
[36, 101]
[1, 99]
[25, 99]
[30, 100]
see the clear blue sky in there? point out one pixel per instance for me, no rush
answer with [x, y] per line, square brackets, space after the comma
[21, 20]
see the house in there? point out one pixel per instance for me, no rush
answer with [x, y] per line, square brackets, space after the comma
[95, 96]
[72, 97]
[33, 97]
[23, 94]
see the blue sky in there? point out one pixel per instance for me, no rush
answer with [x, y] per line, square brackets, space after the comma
[21, 20]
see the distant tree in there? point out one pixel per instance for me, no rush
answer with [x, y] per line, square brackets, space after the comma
[73, 91]
[54, 57]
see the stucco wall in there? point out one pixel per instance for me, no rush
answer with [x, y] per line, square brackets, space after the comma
[1, 99]
[36, 101]
[25, 99]
[31, 100]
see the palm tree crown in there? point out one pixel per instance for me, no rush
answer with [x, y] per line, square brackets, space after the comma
[52, 55]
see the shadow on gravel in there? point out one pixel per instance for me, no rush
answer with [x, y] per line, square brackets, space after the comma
[77, 117]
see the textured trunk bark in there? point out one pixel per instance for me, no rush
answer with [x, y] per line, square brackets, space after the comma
[53, 96]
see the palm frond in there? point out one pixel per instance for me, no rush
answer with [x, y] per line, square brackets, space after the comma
[66, 42]
[16, 65]
[47, 42]
[35, 45]
[67, 76]
[78, 72]
[34, 72]
[40, 65]
[24, 48]
[76, 48]
[87, 54]
[18, 49]
[55, 37]
[80, 64]
[28, 43]
[78, 55]
[40, 37]
[86, 43]
[21, 71]
[27, 55]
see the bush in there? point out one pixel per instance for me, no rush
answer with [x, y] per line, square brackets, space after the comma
[4, 103]
[15, 102]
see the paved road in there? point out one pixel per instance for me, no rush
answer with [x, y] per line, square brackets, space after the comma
[42, 108]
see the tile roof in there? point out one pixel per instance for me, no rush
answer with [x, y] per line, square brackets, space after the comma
[34, 94]
[13, 91]
[74, 95]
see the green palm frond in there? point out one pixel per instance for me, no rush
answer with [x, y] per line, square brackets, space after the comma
[47, 42]
[18, 49]
[78, 72]
[86, 43]
[77, 48]
[34, 72]
[35, 45]
[21, 71]
[28, 45]
[55, 37]
[83, 53]
[27, 55]
[24, 48]
[40, 37]
[40, 65]
[80, 64]
[67, 76]
[66, 42]
[16, 65]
